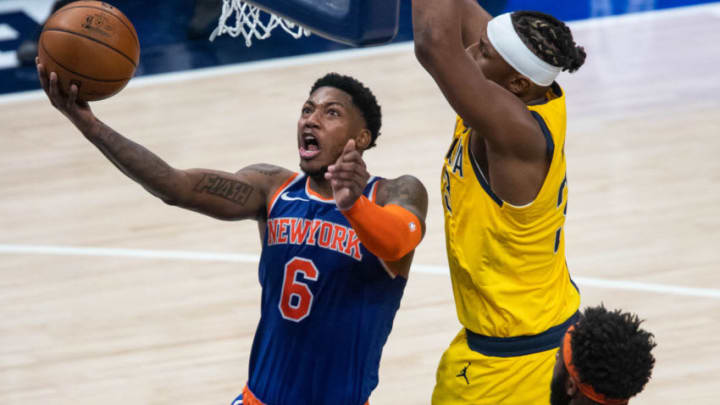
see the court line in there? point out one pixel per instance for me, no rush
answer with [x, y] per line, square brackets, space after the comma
[350, 54]
[132, 253]
[252, 258]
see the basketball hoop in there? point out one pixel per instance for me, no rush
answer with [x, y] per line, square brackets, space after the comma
[249, 22]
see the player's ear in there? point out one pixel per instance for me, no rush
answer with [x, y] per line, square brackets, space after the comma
[519, 85]
[363, 139]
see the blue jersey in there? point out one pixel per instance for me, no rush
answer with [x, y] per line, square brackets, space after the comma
[328, 304]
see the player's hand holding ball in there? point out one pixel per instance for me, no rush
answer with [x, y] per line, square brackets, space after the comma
[77, 111]
[88, 51]
[348, 177]
[90, 44]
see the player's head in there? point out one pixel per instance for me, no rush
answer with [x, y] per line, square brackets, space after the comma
[525, 50]
[604, 359]
[338, 109]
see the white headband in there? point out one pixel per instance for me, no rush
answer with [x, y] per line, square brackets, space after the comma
[507, 43]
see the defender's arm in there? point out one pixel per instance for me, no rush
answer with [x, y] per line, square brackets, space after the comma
[474, 21]
[441, 27]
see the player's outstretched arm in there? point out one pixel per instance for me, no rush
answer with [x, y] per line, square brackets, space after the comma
[232, 196]
[223, 195]
[441, 29]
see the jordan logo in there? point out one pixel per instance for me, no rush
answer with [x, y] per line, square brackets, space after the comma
[463, 373]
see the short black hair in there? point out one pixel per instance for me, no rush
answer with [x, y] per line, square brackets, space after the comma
[361, 96]
[549, 38]
[612, 353]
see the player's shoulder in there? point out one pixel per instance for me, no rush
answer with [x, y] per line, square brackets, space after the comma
[267, 169]
[270, 176]
[404, 189]
[403, 180]
[403, 184]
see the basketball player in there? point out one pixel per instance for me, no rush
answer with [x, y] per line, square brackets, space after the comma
[504, 195]
[336, 242]
[604, 359]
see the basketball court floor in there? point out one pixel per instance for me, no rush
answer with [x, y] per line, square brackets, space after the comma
[109, 296]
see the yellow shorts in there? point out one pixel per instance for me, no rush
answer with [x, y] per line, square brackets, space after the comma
[465, 376]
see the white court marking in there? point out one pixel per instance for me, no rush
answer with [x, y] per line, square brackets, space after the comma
[251, 258]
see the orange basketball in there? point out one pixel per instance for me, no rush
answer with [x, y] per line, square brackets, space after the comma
[91, 44]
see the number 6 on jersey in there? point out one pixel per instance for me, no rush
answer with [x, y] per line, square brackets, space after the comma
[296, 298]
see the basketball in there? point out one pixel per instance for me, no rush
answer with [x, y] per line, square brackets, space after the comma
[91, 44]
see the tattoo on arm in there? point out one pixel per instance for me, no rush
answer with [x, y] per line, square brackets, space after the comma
[176, 187]
[135, 161]
[408, 192]
[235, 191]
[399, 190]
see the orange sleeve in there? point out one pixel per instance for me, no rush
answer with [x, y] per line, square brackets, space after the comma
[389, 232]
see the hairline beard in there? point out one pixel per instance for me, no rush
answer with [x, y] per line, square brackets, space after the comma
[317, 175]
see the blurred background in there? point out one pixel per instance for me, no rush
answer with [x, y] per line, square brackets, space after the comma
[174, 34]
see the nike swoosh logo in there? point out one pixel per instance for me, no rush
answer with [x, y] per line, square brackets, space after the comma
[286, 197]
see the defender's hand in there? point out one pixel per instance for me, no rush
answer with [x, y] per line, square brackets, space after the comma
[77, 111]
[348, 176]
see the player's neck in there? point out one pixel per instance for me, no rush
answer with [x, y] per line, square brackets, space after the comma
[536, 96]
[319, 185]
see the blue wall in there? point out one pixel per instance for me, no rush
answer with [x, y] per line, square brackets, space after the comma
[161, 26]
[581, 9]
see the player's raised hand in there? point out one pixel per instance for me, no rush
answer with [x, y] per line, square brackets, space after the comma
[348, 176]
[77, 111]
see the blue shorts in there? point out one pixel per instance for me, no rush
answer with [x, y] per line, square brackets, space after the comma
[239, 401]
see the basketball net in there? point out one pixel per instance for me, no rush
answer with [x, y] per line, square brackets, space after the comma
[251, 22]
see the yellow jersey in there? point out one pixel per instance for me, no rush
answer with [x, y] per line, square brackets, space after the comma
[507, 263]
